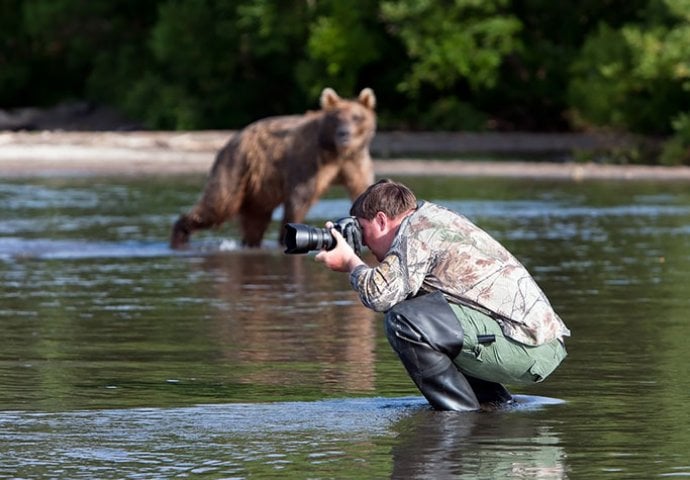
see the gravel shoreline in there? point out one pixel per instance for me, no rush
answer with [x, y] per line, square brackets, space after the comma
[56, 153]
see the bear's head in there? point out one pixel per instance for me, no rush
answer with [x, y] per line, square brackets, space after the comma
[348, 126]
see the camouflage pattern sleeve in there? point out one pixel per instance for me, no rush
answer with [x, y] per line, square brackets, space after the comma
[399, 276]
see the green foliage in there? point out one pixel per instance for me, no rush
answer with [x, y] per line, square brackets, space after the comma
[451, 64]
[217, 63]
[342, 42]
[15, 65]
[451, 114]
[594, 87]
[676, 150]
[635, 77]
[76, 48]
[464, 40]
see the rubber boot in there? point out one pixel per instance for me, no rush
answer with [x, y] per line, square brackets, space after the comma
[489, 392]
[426, 335]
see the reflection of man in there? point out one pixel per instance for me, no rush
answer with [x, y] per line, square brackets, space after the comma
[477, 446]
[462, 313]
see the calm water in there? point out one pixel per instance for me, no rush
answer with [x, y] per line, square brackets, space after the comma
[123, 359]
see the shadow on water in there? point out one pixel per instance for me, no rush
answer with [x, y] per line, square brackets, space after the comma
[282, 439]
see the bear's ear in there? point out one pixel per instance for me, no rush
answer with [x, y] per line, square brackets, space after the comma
[329, 98]
[367, 98]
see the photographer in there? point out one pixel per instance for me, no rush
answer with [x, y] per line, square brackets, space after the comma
[462, 313]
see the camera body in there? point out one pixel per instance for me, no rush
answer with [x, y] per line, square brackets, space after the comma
[303, 238]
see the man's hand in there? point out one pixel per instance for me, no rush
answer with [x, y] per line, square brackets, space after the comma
[342, 258]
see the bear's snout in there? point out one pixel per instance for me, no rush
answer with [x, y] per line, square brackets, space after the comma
[343, 135]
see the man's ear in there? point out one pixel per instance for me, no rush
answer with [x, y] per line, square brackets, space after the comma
[381, 220]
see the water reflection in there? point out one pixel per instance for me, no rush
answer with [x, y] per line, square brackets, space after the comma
[121, 358]
[238, 326]
[364, 438]
[475, 445]
[276, 310]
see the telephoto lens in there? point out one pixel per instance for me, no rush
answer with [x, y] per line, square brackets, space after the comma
[303, 238]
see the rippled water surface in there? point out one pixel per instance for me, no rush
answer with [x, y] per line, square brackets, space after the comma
[123, 359]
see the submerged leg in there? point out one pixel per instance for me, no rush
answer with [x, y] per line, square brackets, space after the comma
[219, 202]
[426, 335]
[489, 392]
[185, 226]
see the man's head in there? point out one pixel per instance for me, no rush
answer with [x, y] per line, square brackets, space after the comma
[387, 196]
[379, 210]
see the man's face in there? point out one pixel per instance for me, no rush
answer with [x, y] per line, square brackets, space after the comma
[374, 235]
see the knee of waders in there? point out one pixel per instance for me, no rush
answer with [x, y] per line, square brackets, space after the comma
[425, 320]
[400, 332]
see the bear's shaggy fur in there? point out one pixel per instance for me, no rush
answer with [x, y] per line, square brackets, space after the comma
[289, 160]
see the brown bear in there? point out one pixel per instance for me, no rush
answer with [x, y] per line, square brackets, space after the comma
[289, 160]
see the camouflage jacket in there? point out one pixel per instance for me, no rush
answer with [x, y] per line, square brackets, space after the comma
[437, 249]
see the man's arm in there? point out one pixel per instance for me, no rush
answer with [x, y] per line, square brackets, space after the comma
[340, 259]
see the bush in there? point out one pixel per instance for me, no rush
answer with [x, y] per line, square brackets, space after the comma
[635, 77]
[676, 150]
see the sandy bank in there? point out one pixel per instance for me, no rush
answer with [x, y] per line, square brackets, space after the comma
[53, 153]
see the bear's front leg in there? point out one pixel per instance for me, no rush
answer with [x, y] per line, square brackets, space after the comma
[254, 223]
[295, 212]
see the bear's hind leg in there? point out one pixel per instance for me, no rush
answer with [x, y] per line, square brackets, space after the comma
[188, 224]
[179, 238]
[212, 210]
[201, 217]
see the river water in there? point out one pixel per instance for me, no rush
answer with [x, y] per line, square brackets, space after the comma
[123, 359]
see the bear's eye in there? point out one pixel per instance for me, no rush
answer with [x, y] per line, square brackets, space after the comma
[357, 118]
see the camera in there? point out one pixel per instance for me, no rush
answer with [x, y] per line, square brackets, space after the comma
[303, 238]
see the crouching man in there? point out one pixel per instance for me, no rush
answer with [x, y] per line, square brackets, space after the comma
[462, 313]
